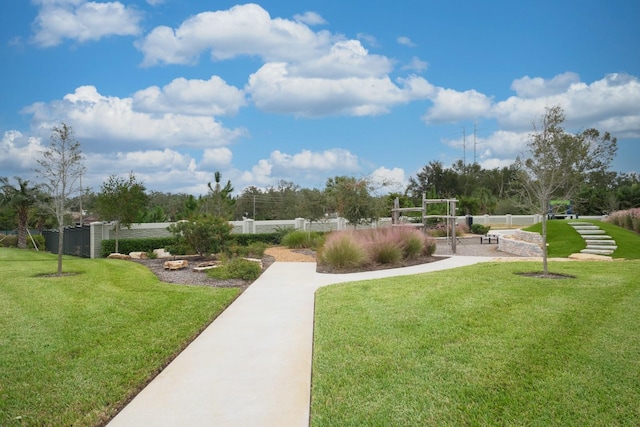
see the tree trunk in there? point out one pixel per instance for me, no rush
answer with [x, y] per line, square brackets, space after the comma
[545, 267]
[117, 228]
[22, 228]
[60, 247]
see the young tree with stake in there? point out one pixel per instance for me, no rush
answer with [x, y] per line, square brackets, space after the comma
[60, 168]
[558, 162]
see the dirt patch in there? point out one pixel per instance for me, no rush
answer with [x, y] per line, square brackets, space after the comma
[542, 275]
[282, 254]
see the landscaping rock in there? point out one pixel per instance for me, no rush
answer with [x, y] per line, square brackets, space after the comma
[176, 265]
[590, 257]
[116, 255]
[138, 255]
[161, 253]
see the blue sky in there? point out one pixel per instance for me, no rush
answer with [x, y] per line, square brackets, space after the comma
[302, 91]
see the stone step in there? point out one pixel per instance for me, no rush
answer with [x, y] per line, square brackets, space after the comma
[600, 242]
[596, 251]
[586, 227]
[589, 232]
[602, 247]
[579, 223]
[598, 237]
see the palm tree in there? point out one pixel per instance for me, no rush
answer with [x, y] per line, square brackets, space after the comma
[20, 199]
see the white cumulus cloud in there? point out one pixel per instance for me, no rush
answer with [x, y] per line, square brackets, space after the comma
[450, 105]
[211, 97]
[610, 103]
[242, 30]
[82, 21]
[217, 157]
[310, 18]
[112, 122]
[272, 88]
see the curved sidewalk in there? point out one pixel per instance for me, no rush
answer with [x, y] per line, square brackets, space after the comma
[252, 365]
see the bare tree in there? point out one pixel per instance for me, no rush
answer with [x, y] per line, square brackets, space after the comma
[557, 163]
[60, 169]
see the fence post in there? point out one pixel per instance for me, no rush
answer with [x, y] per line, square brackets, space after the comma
[248, 226]
[299, 223]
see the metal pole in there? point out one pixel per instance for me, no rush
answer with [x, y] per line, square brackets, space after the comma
[452, 218]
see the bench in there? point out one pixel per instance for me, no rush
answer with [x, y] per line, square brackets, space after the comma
[489, 238]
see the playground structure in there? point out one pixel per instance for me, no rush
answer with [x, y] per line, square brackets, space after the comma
[561, 209]
[449, 217]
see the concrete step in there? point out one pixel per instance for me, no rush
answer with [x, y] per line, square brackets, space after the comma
[596, 251]
[590, 232]
[602, 247]
[586, 227]
[601, 242]
[598, 237]
[579, 223]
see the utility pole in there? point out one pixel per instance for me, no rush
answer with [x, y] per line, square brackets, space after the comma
[464, 147]
[475, 131]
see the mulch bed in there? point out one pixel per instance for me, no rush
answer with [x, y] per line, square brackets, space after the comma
[321, 268]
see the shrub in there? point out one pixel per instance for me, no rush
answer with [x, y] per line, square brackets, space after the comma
[301, 239]
[341, 251]
[9, 241]
[204, 234]
[480, 229]
[248, 239]
[296, 239]
[255, 249]
[440, 230]
[39, 239]
[236, 268]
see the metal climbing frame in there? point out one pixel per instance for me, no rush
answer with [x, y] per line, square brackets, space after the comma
[450, 217]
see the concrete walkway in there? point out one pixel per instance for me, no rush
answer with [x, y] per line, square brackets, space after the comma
[252, 365]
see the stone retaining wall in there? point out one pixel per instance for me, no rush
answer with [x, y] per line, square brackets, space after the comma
[522, 243]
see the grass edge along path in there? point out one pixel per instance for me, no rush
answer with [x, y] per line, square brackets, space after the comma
[481, 345]
[75, 349]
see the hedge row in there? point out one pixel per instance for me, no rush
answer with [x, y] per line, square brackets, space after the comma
[248, 239]
[126, 246]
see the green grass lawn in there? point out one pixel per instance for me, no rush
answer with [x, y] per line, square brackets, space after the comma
[73, 349]
[563, 240]
[481, 346]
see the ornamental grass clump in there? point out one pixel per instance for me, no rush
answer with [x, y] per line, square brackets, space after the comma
[301, 239]
[342, 251]
[381, 246]
[629, 219]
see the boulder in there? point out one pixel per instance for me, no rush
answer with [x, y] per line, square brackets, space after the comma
[138, 255]
[176, 265]
[116, 255]
[161, 253]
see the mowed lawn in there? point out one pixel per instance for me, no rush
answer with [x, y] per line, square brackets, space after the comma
[74, 349]
[481, 346]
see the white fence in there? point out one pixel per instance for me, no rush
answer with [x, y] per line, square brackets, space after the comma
[103, 231]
